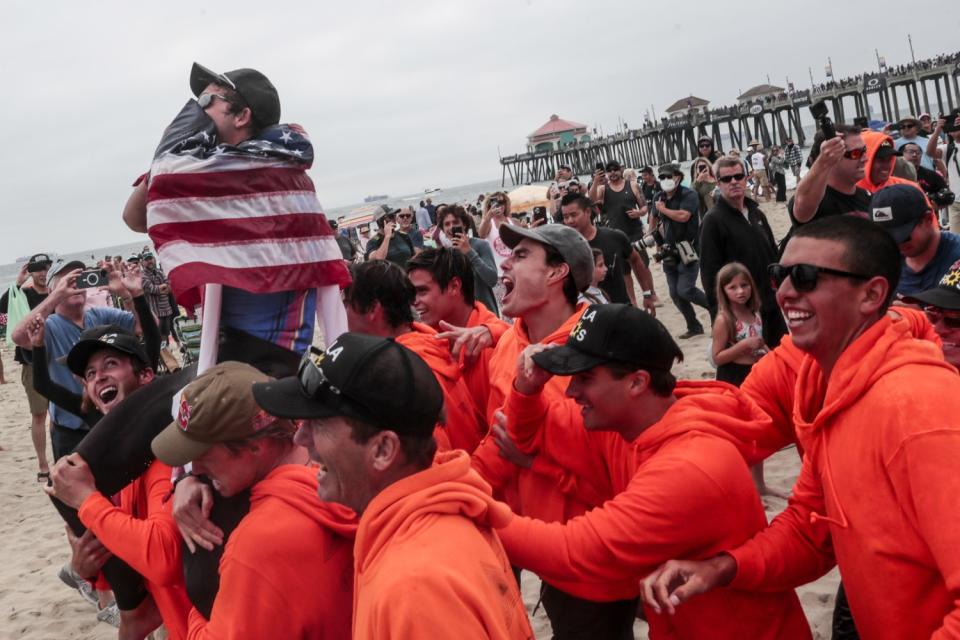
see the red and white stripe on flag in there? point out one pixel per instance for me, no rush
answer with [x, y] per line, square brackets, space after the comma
[253, 224]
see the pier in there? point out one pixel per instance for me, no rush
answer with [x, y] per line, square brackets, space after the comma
[770, 120]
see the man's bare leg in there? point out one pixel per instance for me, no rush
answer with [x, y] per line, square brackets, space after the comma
[38, 433]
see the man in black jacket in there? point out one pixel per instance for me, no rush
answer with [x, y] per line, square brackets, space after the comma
[736, 230]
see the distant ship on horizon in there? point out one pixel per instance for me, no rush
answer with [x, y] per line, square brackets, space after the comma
[375, 198]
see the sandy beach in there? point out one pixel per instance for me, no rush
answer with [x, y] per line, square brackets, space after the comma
[36, 605]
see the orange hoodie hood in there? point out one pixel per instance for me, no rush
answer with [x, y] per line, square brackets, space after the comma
[296, 485]
[449, 487]
[717, 409]
[422, 341]
[873, 140]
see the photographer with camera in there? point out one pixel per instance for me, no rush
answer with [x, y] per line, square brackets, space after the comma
[949, 152]
[455, 225]
[932, 183]
[830, 186]
[679, 207]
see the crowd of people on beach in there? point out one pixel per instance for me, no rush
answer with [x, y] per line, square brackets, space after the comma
[494, 394]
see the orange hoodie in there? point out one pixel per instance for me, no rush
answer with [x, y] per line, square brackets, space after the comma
[873, 140]
[685, 492]
[141, 532]
[428, 563]
[772, 379]
[568, 475]
[877, 493]
[464, 425]
[476, 374]
[286, 571]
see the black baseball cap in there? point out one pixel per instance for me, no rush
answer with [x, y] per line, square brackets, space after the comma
[253, 87]
[359, 376]
[898, 208]
[569, 242]
[608, 333]
[946, 295]
[886, 149]
[38, 262]
[107, 336]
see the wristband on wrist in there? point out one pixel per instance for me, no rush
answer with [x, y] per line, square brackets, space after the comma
[648, 294]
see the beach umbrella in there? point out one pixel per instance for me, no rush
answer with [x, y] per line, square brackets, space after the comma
[527, 197]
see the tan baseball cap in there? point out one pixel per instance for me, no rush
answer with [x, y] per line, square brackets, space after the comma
[218, 406]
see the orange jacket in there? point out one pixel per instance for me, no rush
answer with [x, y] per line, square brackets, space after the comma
[141, 532]
[286, 571]
[772, 379]
[428, 563]
[877, 493]
[873, 140]
[476, 374]
[685, 492]
[464, 424]
[568, 475]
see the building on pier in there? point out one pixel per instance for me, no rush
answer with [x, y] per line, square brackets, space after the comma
[687, 106]
[557, 133]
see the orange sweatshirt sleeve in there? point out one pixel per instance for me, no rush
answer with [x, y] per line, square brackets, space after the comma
[151, 546]
[924, 478]
[526, 415]
[654, 519]
[771, 386]
[491, 466]
[795, 548]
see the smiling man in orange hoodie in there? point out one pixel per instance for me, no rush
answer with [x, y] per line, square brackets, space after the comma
[378, 303]
[683, 487]
[427, 560]
[878, 414]
[286, 570]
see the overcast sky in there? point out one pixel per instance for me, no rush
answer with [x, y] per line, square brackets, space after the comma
[396, 96]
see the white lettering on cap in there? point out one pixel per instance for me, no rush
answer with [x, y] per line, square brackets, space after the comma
[109, 338]
[883, 214]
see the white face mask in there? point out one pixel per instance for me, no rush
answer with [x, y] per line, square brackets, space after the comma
[668, 185]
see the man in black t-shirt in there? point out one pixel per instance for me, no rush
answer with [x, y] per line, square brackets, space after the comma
[617, 250]
[620, 201]
[34, 269]
[830, 187]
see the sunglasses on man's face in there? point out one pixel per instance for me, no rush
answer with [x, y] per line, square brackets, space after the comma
[405, 216]
[664, 176]
[732, 177]
[206, 99]
[804, 277]
[855, 154]
[948, 318]
[703, 145]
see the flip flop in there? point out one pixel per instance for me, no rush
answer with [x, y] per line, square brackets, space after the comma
[43, 476]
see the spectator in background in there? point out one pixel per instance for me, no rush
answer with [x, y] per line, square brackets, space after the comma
[737, 230]
[678, 208]
[779, 173]
[389, 243]
[405, 225]
[910, 132]
[793, 156]
[705, 149]
[455, 225]
[704, 183]
[496, 212]
[35, 270]
[927, 253]
[432, 210]
[758, 162]
[157, 289]
[620, 201]
[347, 248]
[423, 217]
[830, 187]
[949, 151]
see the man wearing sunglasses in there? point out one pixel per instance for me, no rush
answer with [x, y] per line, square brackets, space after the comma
[910, 131]
[737, 230]
[942, 306]
[927, 251]
[830, 186]
[390, 242]
[428, 563]
[878, 415]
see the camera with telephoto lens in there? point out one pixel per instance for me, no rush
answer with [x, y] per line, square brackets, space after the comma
[820, 113]
[92, 278]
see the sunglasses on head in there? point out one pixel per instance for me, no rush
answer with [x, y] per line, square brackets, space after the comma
[311, 376]
[804, 276]
[950, 319]
[206, 99]
[733, 176]
[855, 154]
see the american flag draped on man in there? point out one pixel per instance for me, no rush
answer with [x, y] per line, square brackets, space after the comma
[245, 216]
